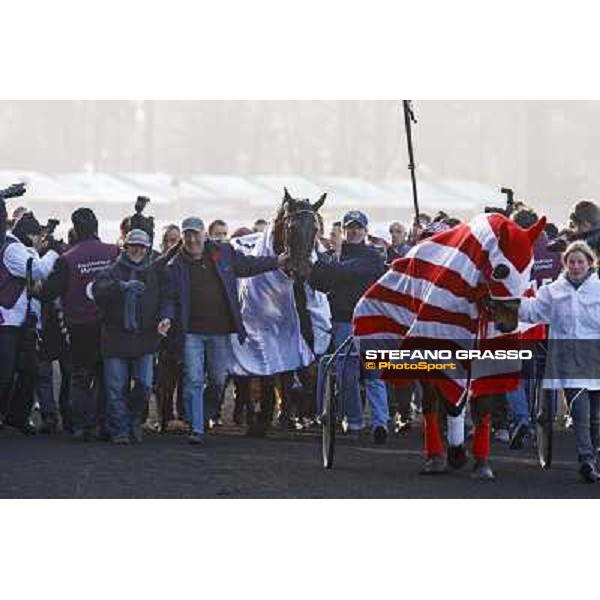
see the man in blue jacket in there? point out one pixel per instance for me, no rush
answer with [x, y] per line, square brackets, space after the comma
[345, 279]
[203, 306]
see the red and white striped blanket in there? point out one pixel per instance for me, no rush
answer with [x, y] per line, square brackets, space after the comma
[435, 293]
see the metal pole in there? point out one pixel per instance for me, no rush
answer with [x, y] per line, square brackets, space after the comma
[409, 118]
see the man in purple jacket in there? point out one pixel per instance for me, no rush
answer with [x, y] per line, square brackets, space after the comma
[73, 274]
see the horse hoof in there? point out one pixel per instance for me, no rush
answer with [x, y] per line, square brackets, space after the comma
[456, 456]
[434, 465]
[483, 471]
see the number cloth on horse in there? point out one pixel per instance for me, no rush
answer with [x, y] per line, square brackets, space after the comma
[275, 343]
[439, 291]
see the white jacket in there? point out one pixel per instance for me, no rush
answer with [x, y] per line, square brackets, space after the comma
[572, 314]
[15, 260]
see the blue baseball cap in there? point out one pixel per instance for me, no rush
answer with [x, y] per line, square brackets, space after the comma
[355, 216]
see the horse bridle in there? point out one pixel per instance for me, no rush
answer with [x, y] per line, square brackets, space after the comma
[291, 216]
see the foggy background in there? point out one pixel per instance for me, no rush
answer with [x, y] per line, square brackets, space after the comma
[547, 150]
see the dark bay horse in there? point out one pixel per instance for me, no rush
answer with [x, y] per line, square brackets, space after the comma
[277, 298]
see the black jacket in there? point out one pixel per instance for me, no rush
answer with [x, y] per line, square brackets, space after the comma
[117, 342]
[592, 239]
[347, 279]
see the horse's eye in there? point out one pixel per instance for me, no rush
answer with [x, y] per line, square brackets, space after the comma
[500, 272]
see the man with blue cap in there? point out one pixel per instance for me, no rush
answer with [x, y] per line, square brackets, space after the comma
[345, 280]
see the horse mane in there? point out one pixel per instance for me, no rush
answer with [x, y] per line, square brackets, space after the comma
[278, 224]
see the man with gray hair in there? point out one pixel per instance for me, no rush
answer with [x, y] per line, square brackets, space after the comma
[204, 308]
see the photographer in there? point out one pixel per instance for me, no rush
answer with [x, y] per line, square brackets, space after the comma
[53, 347]
[72, 275]
[585, 220]
[20, 268]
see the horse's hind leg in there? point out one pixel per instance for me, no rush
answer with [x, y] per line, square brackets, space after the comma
[258, 393]
[288, 406]
[435, 463]
[455, 434]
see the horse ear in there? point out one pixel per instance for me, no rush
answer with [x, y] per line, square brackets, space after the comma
[286, 195]
[536, 229]
[317, 205]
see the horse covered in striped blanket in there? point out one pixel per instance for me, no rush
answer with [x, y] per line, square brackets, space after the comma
[459, 289]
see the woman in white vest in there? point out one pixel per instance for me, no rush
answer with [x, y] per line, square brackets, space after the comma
[571, 306]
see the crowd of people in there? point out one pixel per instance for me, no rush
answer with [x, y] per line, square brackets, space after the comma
[123, 322]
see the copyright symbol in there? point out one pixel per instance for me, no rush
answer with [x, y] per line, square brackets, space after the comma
[370, 365]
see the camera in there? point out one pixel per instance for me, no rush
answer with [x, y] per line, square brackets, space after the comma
[510, 204]
[139, 221]
[51, 226]
[140, 204]
[13, 191]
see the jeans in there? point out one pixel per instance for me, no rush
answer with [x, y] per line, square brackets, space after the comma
[203, 354]
[585, 410]
[348, 373]
[519, 407]
[126, 403]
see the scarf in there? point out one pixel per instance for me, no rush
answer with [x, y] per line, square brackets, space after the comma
[132, 303]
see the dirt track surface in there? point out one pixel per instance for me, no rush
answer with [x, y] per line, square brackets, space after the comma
[231, 465]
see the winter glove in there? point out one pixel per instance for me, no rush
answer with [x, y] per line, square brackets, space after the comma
[134, 286]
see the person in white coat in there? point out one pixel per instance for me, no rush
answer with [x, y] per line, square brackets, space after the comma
[17, 380]
[571, 307]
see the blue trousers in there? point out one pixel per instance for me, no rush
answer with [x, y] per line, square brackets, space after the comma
[128, 383]
[348, 373]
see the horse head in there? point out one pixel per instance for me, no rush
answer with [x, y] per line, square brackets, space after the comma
[295, 230]
[506, 272]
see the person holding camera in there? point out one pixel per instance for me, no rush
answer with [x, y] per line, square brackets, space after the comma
[52, 347]
[132, 301]
[70, 281]
[20, 317]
